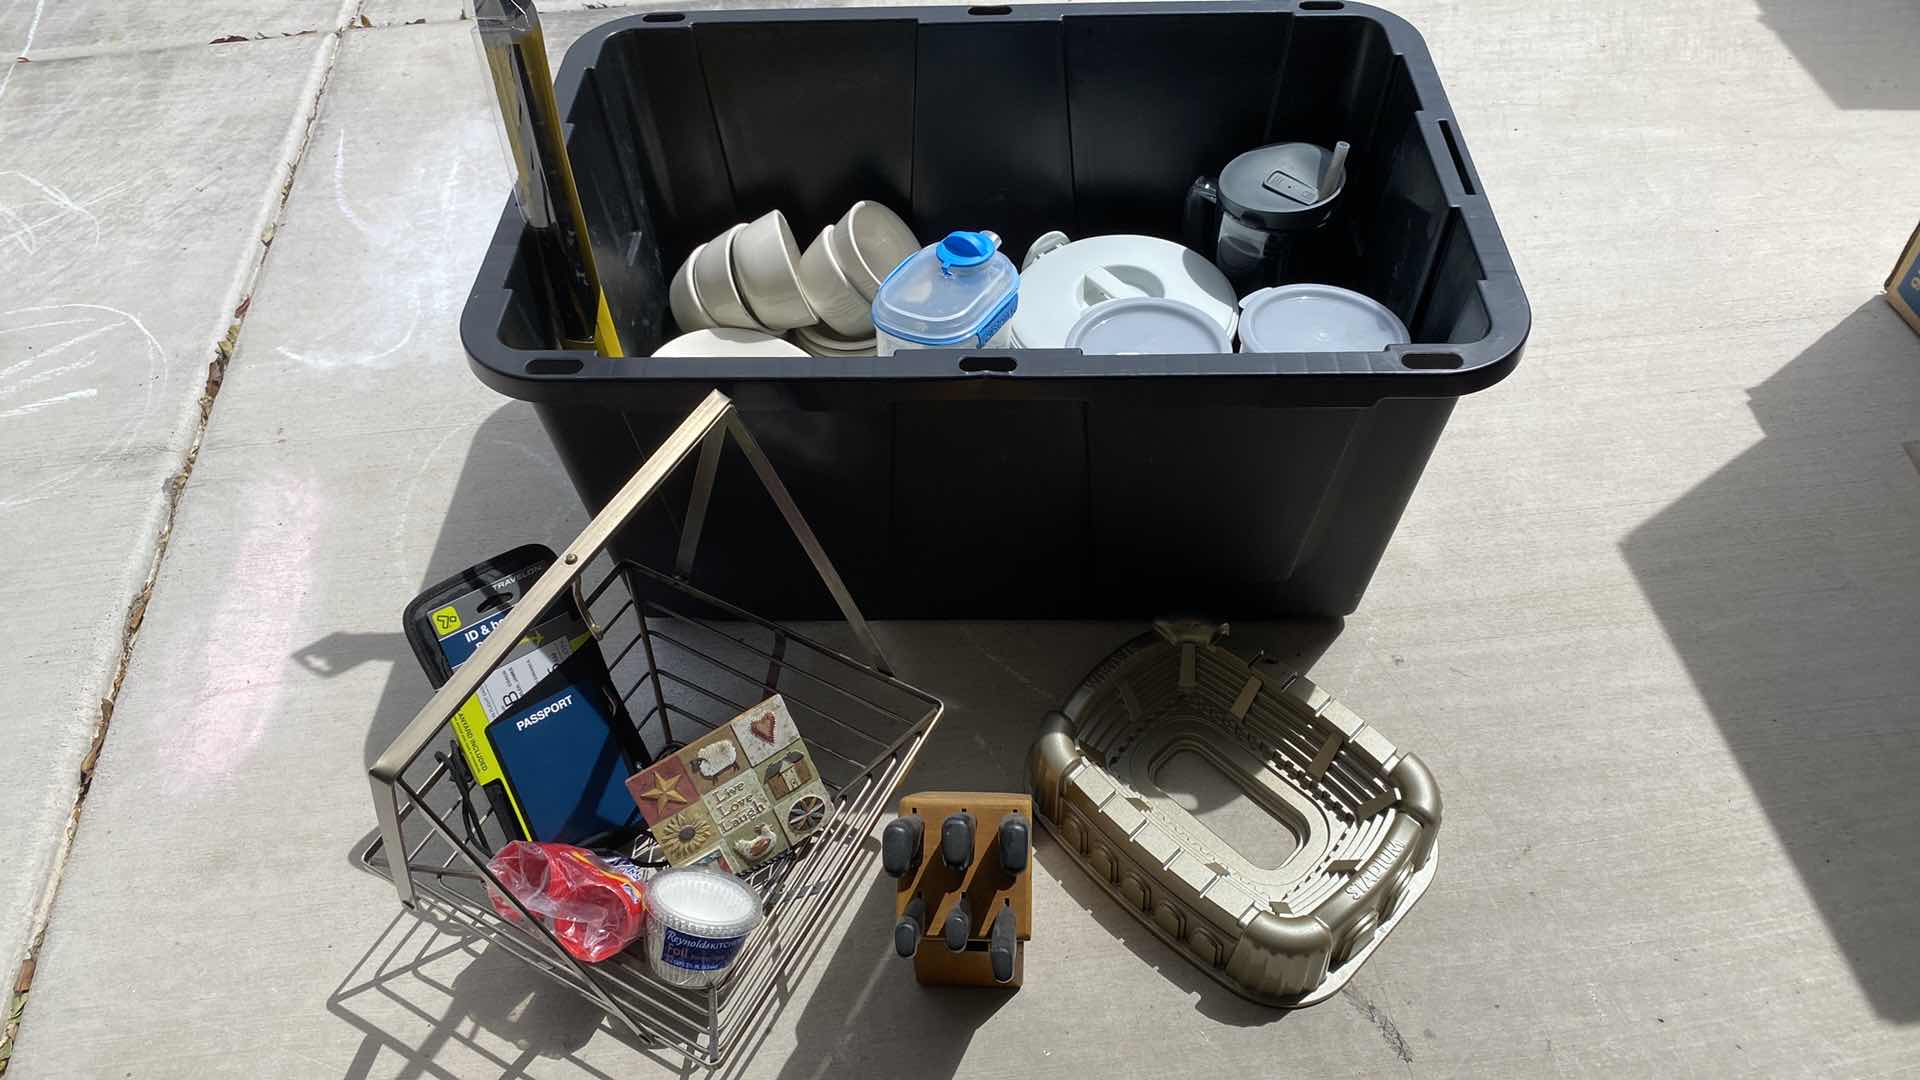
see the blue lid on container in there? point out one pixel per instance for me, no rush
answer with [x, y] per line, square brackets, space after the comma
[948, 293]
[959, 250]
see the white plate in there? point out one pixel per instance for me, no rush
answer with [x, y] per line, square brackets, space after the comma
[729, 341]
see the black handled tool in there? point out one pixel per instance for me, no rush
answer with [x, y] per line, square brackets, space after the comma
[956, 841]
[900, 845]
[1016, 842]
[907, 932]
[959, 922]
[1002, 945]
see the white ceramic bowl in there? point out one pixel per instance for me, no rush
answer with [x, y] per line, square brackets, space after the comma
[689, 313]
[869, 241]
[729, 341]
[713, 282]
[830, 294]
[766, 264]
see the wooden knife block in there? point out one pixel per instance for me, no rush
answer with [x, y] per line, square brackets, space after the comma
[988, 887]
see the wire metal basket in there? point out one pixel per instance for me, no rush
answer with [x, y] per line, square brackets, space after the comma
[685, 662]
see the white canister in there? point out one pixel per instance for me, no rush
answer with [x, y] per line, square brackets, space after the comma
[698, 920]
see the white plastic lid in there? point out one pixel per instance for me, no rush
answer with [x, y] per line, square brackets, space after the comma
[1316, 318]
[1067, 280]
[948, 293]
[1147, 324]
[708, 903]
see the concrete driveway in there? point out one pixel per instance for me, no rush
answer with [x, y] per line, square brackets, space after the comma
[1651, 617]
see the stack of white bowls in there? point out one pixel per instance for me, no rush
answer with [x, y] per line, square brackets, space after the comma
[754, 278]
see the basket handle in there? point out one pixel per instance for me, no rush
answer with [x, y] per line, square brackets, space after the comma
[707, 426]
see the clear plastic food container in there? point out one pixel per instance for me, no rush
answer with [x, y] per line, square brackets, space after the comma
[956, 294]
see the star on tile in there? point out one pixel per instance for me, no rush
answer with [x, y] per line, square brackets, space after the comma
[664, 793]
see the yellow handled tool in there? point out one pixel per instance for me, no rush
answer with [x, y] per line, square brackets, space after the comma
[516, 54]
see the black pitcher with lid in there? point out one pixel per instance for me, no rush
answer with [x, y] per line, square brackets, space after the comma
[1258, 216]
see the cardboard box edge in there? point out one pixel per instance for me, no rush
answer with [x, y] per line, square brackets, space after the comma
[1892, 292]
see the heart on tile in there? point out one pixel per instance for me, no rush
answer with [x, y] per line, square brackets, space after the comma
[762, 730]
[765, 726]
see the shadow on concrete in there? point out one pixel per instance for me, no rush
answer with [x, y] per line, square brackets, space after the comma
[868, 1017]
[512, 490]
[445, 986]
[442, 979]
[1211, 999]
[1859, 51]
[1789, 584]
[342, 651]
[998, 679]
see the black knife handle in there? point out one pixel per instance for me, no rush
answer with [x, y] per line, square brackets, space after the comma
[1002, 942]
[959, 924]
[1016, 842]
[956, 841]
[900, 845]
[912, 925]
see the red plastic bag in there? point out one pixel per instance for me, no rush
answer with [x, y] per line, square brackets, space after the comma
[593, 909]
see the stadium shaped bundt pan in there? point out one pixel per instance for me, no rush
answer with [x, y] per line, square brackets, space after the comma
[1359, 815]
